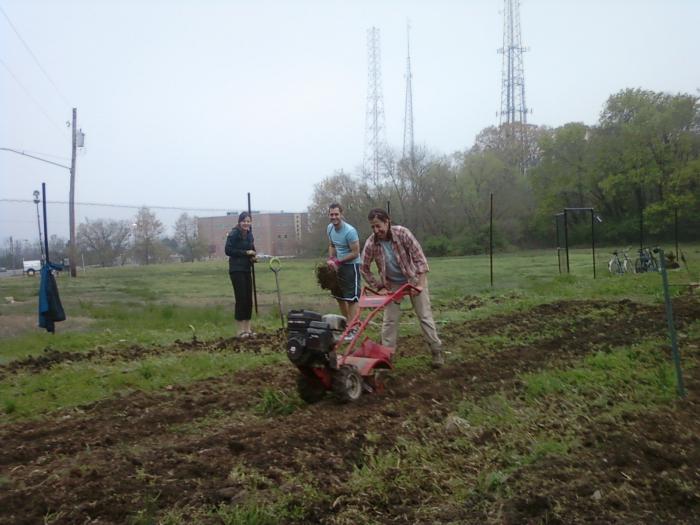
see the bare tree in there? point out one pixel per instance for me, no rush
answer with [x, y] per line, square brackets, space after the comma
[189, 244]
[147, 233]
[104, 241]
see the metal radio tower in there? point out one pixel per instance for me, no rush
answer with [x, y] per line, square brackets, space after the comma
[408, 144]
[374, 120]
[513, 107]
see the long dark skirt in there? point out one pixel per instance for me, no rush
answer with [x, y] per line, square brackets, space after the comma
[243, 294]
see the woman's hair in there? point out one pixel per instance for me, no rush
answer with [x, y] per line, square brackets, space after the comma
[243, 216]
[378, 213]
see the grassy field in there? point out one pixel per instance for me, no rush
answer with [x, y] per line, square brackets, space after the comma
[546, 373]
[157, 304]
[117, 308]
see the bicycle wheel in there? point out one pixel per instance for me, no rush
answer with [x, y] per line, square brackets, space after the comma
[615, 267]
[652, 266]
[627, 266]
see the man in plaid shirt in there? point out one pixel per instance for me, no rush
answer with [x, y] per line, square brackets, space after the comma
[399, 259]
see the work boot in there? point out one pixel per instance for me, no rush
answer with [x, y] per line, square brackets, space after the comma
[438, 358]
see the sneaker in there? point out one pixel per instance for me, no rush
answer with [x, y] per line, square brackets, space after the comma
[350, 335]
[438, 359]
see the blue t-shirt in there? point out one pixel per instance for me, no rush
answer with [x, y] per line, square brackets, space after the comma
[341, 240]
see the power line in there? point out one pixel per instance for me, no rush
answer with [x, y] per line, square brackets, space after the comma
[129, 206]
[29, 95]
[59, 157]
[36, 60]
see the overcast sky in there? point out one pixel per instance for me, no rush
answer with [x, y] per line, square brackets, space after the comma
[194, 103]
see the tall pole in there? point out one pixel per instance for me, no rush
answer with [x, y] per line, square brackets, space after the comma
[566, 240]
[491, 240]
[46, 231]
[641, 228]
[38, 221]
[556, 224]
[252, 266]
[71, 201]
[671, 326]
[593, 238]
[675, 232]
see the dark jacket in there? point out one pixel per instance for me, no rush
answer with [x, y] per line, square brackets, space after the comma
[236, 246]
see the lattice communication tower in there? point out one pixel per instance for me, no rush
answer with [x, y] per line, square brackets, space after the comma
[408, 143]
[513, 107]
[375, 132]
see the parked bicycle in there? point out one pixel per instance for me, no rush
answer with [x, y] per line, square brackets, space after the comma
[620, 264]
[646, 262]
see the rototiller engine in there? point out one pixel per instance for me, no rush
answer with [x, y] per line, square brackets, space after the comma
[334, 355]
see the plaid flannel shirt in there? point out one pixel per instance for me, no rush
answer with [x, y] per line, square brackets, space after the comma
[409, 256]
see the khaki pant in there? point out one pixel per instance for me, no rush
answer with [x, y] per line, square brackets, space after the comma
[421, 305]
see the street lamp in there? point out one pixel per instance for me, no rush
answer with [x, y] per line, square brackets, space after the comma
[38, 221]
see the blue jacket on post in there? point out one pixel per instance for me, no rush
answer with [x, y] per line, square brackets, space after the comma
[50, 307]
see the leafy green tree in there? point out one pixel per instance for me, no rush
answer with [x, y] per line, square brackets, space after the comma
[656, 137]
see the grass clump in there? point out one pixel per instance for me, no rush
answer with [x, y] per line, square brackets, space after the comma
[276, 403]
[641, 375]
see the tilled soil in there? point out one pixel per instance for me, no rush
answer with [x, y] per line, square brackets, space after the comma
[178, 447]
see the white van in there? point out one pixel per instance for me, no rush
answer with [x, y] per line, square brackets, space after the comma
[31, 267]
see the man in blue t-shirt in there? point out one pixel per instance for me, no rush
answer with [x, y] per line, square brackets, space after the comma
[344, 257]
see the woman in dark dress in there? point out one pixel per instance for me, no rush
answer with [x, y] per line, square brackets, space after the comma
[240, 248]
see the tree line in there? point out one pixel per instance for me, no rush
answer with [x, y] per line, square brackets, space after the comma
[638, 167]
[109, 242]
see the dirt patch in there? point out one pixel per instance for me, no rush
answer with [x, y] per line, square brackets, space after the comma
[183, 446]
[643, 469]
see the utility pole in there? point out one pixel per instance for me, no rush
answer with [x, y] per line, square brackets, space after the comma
[71, 199]
[78, 141]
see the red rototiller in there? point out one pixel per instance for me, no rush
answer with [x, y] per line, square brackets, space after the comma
[333, 355]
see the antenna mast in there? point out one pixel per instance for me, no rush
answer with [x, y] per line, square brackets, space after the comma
[374, 120]
[408, 144]
[513, 107]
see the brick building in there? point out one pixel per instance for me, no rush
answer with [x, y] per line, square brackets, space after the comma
[275, 233]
